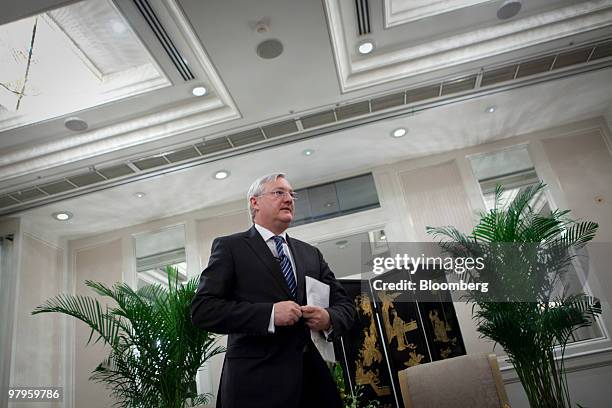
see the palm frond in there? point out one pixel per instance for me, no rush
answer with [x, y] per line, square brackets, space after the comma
[87, 310]
[155, 351]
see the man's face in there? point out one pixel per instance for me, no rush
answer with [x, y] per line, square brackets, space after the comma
[273, 211]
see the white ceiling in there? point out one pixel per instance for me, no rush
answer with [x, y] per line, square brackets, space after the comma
[219, 39]
[432, 131]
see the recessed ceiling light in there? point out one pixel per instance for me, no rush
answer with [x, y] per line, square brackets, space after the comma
[199, 91]
[509, 9]
[399, 132]
[62, 215]
[118, 27]
[308, 152]
[491, 109]
[365, 47]
[221, 174]
[139, 194]
[75, 124]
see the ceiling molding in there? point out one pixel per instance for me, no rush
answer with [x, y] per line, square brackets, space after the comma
[383, 67]
[150, 128]
[398, 12]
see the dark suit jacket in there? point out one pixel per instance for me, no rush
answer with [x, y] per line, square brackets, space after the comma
[235, 296]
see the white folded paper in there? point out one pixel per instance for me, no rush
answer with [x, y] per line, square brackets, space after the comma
[317, 294]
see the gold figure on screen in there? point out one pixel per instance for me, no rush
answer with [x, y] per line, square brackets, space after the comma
[441, 328]
[399, 328]
[369, 354]
[415, 359]
[370, 377]
[387, 305]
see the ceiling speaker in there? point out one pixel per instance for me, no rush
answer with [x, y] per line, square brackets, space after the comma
[270, 49]
[76, 124]
[509, 9]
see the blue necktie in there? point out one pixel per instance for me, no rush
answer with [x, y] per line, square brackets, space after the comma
[285, 264]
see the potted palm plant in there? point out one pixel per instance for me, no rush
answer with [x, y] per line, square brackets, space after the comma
[527, 309]
[155, 351]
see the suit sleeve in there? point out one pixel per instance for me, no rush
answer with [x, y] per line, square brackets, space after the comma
[341, 311]
[214, 309]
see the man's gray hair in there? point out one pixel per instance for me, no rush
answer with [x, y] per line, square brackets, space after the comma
[257, 188]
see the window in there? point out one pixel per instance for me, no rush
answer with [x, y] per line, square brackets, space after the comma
[350, 256]
[155, 251]
[514, 170]
[334, 199]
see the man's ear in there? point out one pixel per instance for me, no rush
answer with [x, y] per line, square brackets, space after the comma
[253, 201]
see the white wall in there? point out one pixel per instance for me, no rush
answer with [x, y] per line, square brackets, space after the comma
[33, 346]
[102, 263]
[38, 340]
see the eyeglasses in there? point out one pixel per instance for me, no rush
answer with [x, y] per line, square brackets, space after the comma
[279, 194]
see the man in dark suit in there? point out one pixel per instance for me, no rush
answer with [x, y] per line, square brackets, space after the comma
[254, 290]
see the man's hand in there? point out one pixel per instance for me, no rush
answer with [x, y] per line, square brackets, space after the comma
[316, 317]
[286, 313]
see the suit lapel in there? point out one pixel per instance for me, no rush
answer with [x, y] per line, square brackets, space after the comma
[299, 261]
[262, 251]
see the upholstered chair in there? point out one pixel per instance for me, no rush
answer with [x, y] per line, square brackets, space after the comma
[468, 381]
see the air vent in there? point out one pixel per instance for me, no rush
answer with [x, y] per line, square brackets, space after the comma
[214, 145]
[498, 75]
[246, 137]
[150, 162]
[386, 102]
[116, 171]
[459, 85]
[27, 195]
[420, 94]
[572, 58]
[352, 110]
[7, 201]
[86, 179]
[535, 66]
[164, 39]
[280, 128]
[57, 187]
[602, 51]
[183, 154]
[363, 16]
[318, 119]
